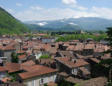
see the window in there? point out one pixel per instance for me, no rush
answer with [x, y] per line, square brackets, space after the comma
[33, 83]
[42, 81]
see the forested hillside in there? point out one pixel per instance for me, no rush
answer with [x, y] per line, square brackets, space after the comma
[10, 25]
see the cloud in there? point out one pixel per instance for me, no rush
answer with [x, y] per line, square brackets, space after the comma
[51, 14]
[42, 23]
[81, 7]
[69, 2]
[18, 4]
[10, 10]
[40, 13]
[103, 12]
[36, 8]
[73, 4]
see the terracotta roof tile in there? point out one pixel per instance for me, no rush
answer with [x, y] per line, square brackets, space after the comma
[36, 70]
[7, 47]
[84, 70]
[73, 80]
[6, 79]
[2, 69]
[95, 60]
[22, 56]
[20, 51]
[12, 67]
[66, 61]
[28, 63]
[51, 84]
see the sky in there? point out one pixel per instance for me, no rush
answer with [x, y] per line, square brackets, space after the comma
[35, 10]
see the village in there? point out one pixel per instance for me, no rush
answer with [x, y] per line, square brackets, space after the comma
[41, 61]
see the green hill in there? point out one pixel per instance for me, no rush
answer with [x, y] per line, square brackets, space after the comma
[10, 25]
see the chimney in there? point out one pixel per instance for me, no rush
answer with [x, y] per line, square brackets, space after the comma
[74, 60]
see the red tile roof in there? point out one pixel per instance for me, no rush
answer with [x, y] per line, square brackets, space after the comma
[84, 70]
[12, 67]
[66, 61]
[95, 60]
[20, 51]
[22, 56]
[36, 70]
[51, 84]
[41, 34]
[28, 63]
[6, 79]
[2, 69]
[7, 47]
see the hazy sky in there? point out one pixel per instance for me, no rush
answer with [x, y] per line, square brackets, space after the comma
[26, 10]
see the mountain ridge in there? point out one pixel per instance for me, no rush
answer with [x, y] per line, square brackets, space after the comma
[85, 23]
[9, 24]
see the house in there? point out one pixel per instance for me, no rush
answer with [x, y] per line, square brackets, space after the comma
[3, 72]
[26, 57]
[62, 76]
[52, 51]
[88, 49]
[106, 56]
[51, 84]
[94, 61]
[73, 80]
[37, 75]
[12, 84]
[105, 42]
[22, 58]
[28, 63]
[26, 47]
[41, 34]
[6, 52]
[48, 40]
[63, 46]
[38, 54]
[99, 81]
[47, 62]
[73, 66]
[20, 52]
[12, 67]
[6, 80]
[65, 54]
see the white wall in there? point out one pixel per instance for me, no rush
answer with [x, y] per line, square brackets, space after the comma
[38, 55]
[37, 81]
[75, 71]
[2, 75]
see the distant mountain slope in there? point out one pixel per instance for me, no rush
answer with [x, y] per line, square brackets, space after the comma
[10, 25]
[65, 27]
[85, 23]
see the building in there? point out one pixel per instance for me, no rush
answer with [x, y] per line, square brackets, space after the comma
[3, 72]
[37, 75]
[75, 67]
[6, 52]
[48, 40]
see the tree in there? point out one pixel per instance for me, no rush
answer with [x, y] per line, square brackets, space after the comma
[65, 83]
[109, 84]
[109, 39]
[14, 57]
[45, 56]
[108, 62]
